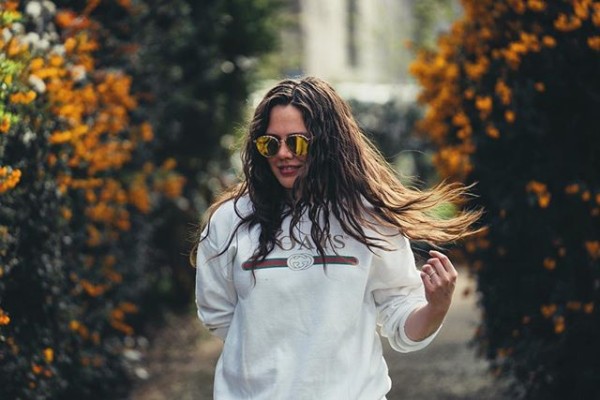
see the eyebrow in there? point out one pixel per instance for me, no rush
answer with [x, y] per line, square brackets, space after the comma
[288, 134]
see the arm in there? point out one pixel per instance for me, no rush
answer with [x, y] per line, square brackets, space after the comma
[216, 296]
[398, 291]
[439, 279]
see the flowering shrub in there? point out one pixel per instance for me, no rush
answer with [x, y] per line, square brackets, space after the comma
[97, 100]
[76, 182]
[513, 93]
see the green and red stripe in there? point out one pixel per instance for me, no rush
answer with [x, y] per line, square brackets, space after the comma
[282, 262]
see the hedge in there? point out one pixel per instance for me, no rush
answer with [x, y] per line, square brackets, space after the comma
[512, 95]
[87, 185]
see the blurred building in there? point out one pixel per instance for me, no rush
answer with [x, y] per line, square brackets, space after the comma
[362, 46]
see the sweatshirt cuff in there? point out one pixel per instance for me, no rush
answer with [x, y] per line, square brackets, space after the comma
[413, 345]
[220, 332]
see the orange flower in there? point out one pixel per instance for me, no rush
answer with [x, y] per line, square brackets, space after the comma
[536, 187]
[559, 325]
[594, 42]
[9, 178]
[146, 132]
[492, 132]
[504, 92]
[588, 308]
[484, 105]
[549, 41]
[509, 116]
[593, 248]
[11, 5]
[572, 189]
[586, 195]
[565, 23]
[91, 289]
[4, 124]
[544, 200]
[128, 307]
[4, 318]
[548, 310]
[540, 87]
[23, 98]
[549, 263]
[37, 369]
[536, 5]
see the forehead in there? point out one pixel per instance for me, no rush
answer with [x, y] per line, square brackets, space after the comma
[285, 120]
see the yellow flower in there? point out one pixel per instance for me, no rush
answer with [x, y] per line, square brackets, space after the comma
[49, 354]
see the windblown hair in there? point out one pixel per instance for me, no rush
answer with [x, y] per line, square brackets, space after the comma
[344, 176]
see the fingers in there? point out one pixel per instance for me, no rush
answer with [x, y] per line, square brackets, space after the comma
[438, 270]
[427, 281]
[444, 260]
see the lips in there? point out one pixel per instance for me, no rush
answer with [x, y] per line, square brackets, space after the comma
[286, 170]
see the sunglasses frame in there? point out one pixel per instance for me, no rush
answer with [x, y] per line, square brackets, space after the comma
[280, 141]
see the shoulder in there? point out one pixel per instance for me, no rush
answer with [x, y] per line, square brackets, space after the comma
[233, 210]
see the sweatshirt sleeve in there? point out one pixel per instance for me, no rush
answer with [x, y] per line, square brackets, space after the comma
[216, 296]
[398, 291]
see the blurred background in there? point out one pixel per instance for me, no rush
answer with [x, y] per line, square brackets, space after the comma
[120, 122]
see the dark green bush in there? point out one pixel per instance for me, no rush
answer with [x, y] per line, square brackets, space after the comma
[513, 94]
[88, 186]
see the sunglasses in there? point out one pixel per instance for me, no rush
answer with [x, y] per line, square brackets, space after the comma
[268, 145]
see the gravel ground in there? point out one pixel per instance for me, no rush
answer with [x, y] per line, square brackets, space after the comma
[181, 358]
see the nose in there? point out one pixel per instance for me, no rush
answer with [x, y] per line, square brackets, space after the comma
[284, 151]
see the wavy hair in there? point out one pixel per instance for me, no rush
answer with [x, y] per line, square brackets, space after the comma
[344, 176]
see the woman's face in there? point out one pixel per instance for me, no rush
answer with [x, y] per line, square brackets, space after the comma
[284, 121]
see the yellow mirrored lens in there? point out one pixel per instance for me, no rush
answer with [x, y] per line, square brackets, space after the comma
[267, 146]
[298, 145]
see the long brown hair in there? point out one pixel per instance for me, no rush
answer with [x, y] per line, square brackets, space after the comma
[344, 177]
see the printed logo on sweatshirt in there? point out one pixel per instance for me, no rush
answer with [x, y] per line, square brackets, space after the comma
[305, 242]
[301, 262]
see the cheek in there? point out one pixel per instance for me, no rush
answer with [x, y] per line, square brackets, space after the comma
[271, 163]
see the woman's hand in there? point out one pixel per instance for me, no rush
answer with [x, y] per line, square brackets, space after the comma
[439, 277]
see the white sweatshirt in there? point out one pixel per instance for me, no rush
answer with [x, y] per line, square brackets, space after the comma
[299, 330]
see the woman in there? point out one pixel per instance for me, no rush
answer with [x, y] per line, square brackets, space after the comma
[298, 264]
